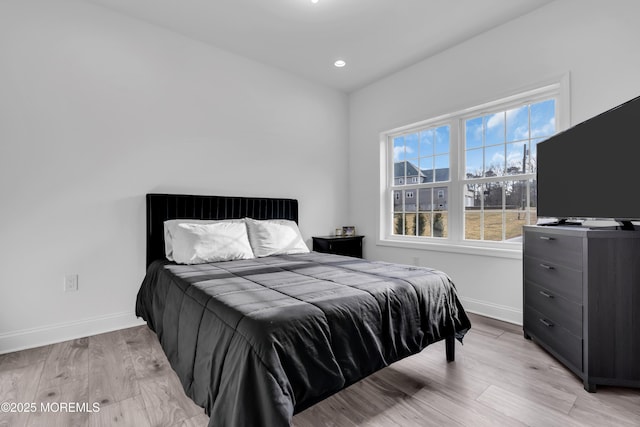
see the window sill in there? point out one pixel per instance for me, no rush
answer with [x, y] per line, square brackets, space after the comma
[507, 250]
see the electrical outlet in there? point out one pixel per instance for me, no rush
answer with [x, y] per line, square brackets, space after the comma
[71, 283]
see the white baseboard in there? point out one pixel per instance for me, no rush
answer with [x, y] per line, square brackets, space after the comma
[36, 337]
[495, 311]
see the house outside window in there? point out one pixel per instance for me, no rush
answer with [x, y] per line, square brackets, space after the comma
[467, 176]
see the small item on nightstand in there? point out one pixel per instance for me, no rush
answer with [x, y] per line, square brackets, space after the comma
[338, 231]
[348, 230]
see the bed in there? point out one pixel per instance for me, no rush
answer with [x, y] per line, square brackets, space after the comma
[255, 341]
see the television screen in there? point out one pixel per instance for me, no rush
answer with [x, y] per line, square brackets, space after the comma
[592, 170]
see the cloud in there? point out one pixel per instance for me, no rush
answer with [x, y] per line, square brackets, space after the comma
[496, 119]
[546, 129]
[497, 158]
[398, 152]
[514, 158]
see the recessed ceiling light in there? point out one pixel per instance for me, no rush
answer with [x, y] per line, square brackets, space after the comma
[339, 63]
[314, 1]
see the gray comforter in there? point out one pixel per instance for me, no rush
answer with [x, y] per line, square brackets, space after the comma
[256, 341]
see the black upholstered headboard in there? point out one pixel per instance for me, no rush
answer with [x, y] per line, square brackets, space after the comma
[161, 207]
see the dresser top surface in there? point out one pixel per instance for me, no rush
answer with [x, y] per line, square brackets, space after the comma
[579, 231]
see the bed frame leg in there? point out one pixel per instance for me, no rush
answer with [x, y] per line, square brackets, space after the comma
[450, 348]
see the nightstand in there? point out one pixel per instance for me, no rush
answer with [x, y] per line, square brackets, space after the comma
[339, 245]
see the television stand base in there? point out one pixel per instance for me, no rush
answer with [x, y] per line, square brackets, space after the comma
[626, 225]
[560, 222]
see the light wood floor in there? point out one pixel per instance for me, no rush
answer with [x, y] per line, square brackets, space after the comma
[498, 379]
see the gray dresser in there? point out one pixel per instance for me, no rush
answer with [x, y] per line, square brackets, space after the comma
[582, 300]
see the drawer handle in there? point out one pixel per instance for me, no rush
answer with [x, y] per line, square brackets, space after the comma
[548, 267]
[544, 294]
[547, 238]
[546, 323]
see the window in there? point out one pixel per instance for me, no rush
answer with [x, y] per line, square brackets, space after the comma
[420, 164]
[468, 176]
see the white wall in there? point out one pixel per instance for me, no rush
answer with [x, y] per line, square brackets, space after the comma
[595, 41]
[96, 110]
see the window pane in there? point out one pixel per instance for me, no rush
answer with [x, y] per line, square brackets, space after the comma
[424, 224]
[472, 211]
[492, 195]
[518, 124]
[442, 139]
[426, 167]
[411, 145]
[410, 224]
[398, 224]
[515, 157]
[399, 173]
[533, 202]
[424, 211]
[493, 224]
[425, 202]
[515, 209]
[494, 129]
[440, 199]
[440, 224]
[533, 154]
[442, 168]
[426, 142]
[398, 149]
[413, 172]
[472, 224]
[492, 212]
[474, 162]
[410, 201]
[543, 118]
[494, 161]
[397, 201]
[473, 133]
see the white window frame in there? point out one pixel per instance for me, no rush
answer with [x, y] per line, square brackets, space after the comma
[557, 88]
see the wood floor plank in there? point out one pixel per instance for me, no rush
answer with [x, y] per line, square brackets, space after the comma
[198, 421]
[384, 404]
[146, 353]
[125, 413]
[165, 402]
[20, 359]
[65, 378]
[112, 375]
[329, 414]
[67, 361]
[458, 403]
[522, 409]
[19, 386]
[49, 398]
[611, 406]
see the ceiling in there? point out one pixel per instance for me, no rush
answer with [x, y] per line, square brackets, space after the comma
[375, 37]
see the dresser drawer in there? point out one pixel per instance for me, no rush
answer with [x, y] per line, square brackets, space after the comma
[565, 313]
[348, 246]
[553, 336]
[559, 279]
[561, 250]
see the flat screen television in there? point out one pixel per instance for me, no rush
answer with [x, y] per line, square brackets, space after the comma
[592, 170]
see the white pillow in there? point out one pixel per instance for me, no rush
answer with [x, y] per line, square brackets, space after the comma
[170, 230]
[220, 241]
[275, 237]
